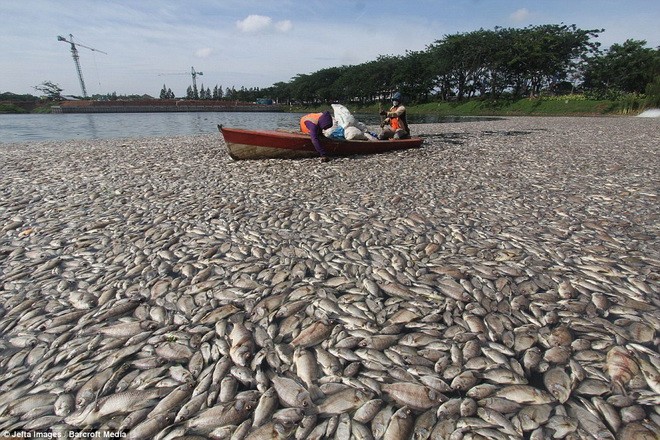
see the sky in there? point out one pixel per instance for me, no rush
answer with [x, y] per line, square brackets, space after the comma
[257, 43]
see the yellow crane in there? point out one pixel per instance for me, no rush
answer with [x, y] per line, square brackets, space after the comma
[74, 54]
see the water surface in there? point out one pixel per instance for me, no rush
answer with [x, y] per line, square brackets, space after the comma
[56, 127]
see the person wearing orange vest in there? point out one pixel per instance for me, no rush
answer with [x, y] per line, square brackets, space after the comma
[395, 124]
[314, 124]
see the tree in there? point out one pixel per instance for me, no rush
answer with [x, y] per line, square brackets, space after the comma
[217, 92]
[50, 89]
[629, 67]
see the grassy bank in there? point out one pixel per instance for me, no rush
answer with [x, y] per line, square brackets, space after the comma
[522, 107]
[11, 109]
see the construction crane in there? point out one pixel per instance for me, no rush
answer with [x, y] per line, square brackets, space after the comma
[194, 75]
[193, 72]
[74, 54]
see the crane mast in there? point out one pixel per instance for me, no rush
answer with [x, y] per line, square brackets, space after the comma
[194, 75]
[74, 54]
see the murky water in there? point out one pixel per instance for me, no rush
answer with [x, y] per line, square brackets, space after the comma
[44, 127]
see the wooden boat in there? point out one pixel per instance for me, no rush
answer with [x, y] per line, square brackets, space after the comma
[274, 144]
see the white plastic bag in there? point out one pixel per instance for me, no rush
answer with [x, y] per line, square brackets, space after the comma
[354, 133]
[343, 117]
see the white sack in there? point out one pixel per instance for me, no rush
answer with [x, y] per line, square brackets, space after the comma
[354, 133]
[343, 117]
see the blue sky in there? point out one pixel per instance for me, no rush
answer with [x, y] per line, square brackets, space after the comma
[256, 43]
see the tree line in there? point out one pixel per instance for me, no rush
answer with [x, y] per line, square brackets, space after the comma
[504, 62]
[218, 93]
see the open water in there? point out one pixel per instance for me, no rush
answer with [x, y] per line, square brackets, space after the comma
[47, 127]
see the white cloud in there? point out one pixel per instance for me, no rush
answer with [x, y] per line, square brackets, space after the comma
[284, 25]
[204, 52]
[258, 23]
[520, 15]
[254, 23]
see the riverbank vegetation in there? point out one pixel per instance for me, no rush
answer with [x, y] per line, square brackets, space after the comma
[548, 69]
[544, 69]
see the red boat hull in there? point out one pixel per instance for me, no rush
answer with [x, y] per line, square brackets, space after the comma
[269, 144]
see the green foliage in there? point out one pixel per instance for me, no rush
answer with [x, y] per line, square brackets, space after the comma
[519, 107]
[566, 98]
[11, 108]
[50, 90]
[653, 93]
[166, 93]
[631, 103]
[8, 96]
[482, 63]
[626, 68]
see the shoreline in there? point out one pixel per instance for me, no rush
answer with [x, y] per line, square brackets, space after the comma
[424, 128]
[498, 251]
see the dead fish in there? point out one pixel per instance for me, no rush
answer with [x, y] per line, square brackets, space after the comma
[241, 344]
[172, 400]
[650, 373]
[25, 404]
[119, 403]
[312, 335]
[271, 431]
[401, 425]
[127, 329]
[503, 376]
[174, 351]
[588, 421]
[305, 427]
[497, 419]
[368, 410]
[532, 417]
[562, 425]
[292, 394]
[90, 390]
[64, 404]
[344, 401]
[306, 370]
[417, 397]
[504, 406]
[465, 380]
[637, 431]
[232, 413]
[558, 383]
[525, 394]
[265, 407]
[381, 421]
[621, 367]
[608, 412]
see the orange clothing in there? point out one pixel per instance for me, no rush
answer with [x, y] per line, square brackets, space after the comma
[312, 117]
[396, 117]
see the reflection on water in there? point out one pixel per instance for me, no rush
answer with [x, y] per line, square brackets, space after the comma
[91, 127]
[40, 127]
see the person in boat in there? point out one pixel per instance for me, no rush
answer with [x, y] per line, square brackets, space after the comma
[395, 124]
[314, 124]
